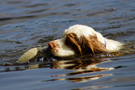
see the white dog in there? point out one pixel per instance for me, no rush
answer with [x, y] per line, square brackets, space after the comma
[77, 39]
[81, 39]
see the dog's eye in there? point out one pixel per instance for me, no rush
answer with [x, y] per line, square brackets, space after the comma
[67, 42]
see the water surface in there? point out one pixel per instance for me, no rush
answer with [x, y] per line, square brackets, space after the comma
[25, 24]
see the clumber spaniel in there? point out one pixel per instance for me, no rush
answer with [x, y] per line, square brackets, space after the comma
[76, 40]
[81, 39]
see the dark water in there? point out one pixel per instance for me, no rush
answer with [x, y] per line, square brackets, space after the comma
[28, 23]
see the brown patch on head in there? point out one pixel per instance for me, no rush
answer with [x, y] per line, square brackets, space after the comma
[85, 45]
[73, 42]
[95, 45]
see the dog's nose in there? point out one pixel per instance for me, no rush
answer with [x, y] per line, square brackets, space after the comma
[51, 45]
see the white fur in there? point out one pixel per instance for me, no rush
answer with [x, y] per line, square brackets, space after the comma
[62, 50]
[81, 30]
[113, 45]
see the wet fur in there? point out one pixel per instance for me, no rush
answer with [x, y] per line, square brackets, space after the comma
[85, 45]
[81, 39]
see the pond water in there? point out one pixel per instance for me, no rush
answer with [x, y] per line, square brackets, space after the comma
[25, 24]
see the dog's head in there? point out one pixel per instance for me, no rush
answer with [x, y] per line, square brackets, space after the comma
[78, 39]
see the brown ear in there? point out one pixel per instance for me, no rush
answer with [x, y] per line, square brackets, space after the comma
[85, 45]
[95, 45]
[73, 42]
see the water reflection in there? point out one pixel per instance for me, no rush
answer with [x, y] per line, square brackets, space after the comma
[80, 79]
[80, 65]
[80, 69]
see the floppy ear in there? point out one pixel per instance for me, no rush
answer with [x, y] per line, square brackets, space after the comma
[73, 42]
[85, 45]
[95, 45]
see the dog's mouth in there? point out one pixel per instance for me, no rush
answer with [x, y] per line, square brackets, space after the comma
[46, 54]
